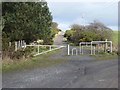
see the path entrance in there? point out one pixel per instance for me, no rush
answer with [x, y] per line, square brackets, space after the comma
[88, 48]
[58, 44]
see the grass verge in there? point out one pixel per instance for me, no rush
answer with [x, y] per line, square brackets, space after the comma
[41, 61]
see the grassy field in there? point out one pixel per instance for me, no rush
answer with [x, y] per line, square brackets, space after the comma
[115, 38]
[38, 61]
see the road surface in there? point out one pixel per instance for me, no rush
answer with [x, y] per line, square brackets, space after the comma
[76, 72]
[58, 40]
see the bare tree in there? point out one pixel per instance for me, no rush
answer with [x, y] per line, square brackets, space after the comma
[76, 27]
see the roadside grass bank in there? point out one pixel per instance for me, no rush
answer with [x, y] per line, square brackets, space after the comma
[40, 61]
[115, 37]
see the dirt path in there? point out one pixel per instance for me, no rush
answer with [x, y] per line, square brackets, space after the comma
[58, 40]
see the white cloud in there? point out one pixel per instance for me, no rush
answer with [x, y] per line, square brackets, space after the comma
[81, 21]
[67, 13]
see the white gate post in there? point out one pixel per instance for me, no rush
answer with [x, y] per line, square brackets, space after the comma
[94, 50]
[9, 44]
[98, 48]
[50, 48]
[91, 48]
[68, 49]
[38, 49]
[21, 44]
[15, 46]
[80, 48]
[76, 52]
[106, 45]
[24, 44]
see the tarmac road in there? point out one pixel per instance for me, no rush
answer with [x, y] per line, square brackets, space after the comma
[84, 72]
[76, 72]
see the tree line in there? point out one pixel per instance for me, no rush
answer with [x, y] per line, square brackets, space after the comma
[95, 31]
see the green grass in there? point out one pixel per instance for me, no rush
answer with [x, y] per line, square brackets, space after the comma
[40, 61]
[115, 37]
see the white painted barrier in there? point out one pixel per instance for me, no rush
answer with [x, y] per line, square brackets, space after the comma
[68, 49]
[74, 49]
[49, 50]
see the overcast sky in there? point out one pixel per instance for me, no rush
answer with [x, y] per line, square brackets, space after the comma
[84, 12]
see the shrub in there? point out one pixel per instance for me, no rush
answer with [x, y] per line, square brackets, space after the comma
[17, 54]
[21, 53]
[28, 51]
